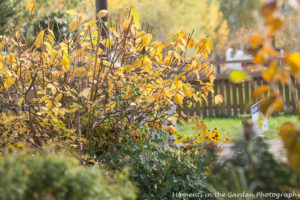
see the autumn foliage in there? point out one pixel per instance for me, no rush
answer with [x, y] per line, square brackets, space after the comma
[111, 81]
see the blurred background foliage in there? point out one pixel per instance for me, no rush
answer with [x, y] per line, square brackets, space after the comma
[229, 23]
[9, 11]
[171, 16]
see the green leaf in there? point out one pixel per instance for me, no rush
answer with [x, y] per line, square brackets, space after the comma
[238, 76]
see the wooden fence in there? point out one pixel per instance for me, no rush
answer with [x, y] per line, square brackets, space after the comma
[236, 97]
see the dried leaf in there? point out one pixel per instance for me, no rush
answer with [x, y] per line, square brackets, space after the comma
[218, 99]
[102, 13]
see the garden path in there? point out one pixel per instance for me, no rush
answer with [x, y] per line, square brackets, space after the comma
[275, 147]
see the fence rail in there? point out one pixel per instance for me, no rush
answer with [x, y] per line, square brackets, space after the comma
[237, 97]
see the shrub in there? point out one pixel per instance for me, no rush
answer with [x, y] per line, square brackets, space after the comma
[125, 84]
[27, 176]
[158, 172]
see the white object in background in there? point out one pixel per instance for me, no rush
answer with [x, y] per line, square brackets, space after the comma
[238, 55]
[295, 4]
[259, 120]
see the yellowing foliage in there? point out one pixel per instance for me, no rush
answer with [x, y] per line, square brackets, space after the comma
[67, 92]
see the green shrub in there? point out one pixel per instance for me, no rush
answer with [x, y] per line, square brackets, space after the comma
[159, 173]
[28, 176]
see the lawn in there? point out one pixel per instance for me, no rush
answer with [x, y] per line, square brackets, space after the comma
[232, 127]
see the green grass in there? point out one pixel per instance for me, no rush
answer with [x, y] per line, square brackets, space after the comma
[232, 127]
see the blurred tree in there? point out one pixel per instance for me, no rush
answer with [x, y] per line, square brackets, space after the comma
[202, 16]
[9, 10]
[239, 12]
[242, 17]
[288, 38]
[171, 16]
[154, 13]
[46, 7]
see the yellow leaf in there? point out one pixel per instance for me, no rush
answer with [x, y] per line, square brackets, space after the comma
[39, 39]
[238, 76]
[269, 74]
[74, 25]
[166, 93]
[85, 157]
[218, 99]
[178, 99]
[2, 45]
[53, 88]
[83, 140]
[209, 46]
[126, 24]
[176, 141]
[49, 104]
[8, 82]
[147, 39]
[113, 105]
[294, 62]
[20, 101]
[72, 110]
[59, 96]
[102, 13]
[171, 37]
[30, 6]
[178, 84]
[11, 59]
[107, 43]
[92, 161]
[187, 90]
[128, 92]
[44, 98]
[19, 145]
[71, 12]
[66, 62]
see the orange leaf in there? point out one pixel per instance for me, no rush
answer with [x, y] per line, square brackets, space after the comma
[261, 90]
[191, 43]
[294, 62]
[271, 104]
[218, 99]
